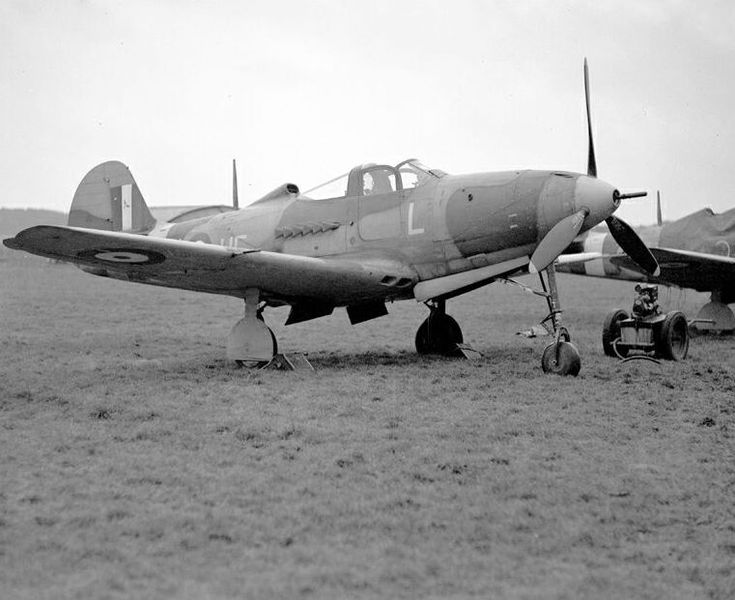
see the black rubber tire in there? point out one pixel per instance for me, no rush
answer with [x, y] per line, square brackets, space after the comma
[619, 350]
[611, 331]
[673, 341]
[438, 334]
[422, 338]
[568, 363]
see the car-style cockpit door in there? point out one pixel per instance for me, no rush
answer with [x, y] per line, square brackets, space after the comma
[379, 203]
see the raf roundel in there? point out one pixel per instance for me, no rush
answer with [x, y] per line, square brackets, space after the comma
[123, 256]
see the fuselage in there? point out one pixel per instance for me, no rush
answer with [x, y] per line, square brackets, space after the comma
[437, 225]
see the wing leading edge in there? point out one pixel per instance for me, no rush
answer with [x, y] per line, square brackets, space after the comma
[216, 269]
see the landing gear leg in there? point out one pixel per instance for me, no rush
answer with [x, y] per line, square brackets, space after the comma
[561, 356]
[251, 343]
[439, 333]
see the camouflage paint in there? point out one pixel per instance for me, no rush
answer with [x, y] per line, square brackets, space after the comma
[457, 231]
[97, 202]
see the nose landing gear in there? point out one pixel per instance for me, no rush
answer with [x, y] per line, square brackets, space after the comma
[561, 357]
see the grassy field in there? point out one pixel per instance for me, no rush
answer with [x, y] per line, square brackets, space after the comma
[137, 463]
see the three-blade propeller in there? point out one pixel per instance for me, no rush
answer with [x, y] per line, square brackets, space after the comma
[563, 233]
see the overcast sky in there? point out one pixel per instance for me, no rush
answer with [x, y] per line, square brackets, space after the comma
[301, 91]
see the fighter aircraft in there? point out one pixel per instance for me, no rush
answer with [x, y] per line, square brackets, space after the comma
[375, 234]
[696, 252]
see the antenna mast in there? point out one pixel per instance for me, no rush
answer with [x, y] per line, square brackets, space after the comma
[235, 201]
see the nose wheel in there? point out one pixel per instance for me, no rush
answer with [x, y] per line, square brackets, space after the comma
[561, 357]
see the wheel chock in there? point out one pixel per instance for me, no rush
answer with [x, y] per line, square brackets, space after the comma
[468, 352]
[290, 362]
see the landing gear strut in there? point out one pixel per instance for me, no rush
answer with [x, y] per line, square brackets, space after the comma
[251, 343]
[439, 333]
[561, 356]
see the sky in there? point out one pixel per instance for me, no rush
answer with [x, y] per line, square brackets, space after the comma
[303, 90]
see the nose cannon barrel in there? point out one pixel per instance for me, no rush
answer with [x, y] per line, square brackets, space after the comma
[630, 195]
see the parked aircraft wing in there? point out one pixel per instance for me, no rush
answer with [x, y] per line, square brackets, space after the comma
[683, 268]
[216, 269]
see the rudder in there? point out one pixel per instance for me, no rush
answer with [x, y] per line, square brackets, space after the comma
[108, 198]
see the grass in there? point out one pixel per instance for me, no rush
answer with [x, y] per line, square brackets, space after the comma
[137, 462]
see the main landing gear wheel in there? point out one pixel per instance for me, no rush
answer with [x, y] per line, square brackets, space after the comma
[438, 334]
[257, 364]
[251, 343]
[561, 358]
[673, 341]
[611, 333]
[715, 316]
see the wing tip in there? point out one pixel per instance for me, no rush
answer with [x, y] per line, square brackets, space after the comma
[11, 243]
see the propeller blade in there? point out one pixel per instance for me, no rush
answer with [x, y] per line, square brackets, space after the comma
[591, 162]
[556, 241]
[659, 219]
[632, 245]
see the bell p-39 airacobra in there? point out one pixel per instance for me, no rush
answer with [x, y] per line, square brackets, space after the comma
[378, 233]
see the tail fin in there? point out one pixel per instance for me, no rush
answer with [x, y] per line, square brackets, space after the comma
[108, 198]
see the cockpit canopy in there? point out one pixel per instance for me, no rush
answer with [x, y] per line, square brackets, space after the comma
[372, 179]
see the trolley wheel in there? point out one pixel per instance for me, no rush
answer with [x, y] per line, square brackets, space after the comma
[611, 332]
[673, 341]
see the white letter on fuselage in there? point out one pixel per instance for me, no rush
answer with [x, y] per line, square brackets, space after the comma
[411, 229]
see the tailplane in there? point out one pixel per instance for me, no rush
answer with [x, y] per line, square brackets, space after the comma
[108, 198]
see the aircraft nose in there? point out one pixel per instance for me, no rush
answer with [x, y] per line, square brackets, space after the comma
[597, 197]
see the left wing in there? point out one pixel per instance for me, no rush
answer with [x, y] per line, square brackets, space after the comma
[216, 269]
